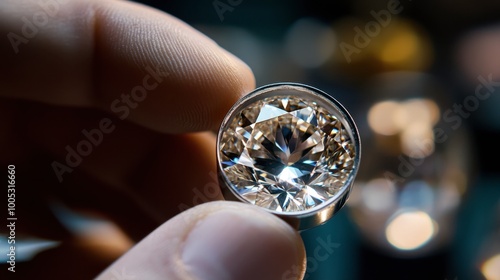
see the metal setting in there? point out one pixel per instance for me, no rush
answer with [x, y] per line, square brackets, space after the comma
[314, 211]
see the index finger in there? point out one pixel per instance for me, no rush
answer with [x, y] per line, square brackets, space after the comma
[128, 59]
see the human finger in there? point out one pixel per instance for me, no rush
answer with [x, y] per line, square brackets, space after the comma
[134, 61]
[219, 241]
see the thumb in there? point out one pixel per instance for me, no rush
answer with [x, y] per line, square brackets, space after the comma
[217, 240]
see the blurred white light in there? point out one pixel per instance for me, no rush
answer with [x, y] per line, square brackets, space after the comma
[491, 268]
[417, 140]
[410, 230]
[382, 117]
[26, 248]
[310, 43]
[417, 110]
[379, 194]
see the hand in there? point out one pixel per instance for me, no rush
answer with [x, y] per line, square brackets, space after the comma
[108, 106]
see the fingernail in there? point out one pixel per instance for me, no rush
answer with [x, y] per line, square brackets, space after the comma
[249, 244]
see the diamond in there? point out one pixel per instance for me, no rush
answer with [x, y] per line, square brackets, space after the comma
[286, 153]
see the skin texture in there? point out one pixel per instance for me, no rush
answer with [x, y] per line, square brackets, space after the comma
[65, 76]
[179, 248]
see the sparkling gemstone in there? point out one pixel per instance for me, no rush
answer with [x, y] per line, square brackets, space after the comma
[286, 153]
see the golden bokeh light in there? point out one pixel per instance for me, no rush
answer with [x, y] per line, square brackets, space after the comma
[412, 120]
[381, 117]
[402, 45]
[417, 110]
[410, 230]
[400, 48]
[417, 140]
[491, 268]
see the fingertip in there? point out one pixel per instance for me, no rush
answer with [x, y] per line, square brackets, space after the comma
[242, 243]
[201, 82]
[217, 240]
[234, 82]
[108, 54]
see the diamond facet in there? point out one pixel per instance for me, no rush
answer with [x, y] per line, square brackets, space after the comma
[286, 153]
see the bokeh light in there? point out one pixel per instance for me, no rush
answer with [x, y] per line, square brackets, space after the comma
[411, 120]
[382, 117]
[491, 268]
[310, 43]
[379, 194]
[410, 230]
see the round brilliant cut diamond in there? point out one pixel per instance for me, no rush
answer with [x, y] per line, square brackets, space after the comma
[286, 153]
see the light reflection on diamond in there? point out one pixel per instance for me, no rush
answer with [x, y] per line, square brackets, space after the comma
[286, 154]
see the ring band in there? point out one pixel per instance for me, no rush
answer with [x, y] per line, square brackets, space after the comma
[291, 149]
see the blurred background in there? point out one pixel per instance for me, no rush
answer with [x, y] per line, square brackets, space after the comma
[419, 79]
[422, 81]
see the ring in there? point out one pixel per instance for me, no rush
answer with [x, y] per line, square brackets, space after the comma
[291, 149]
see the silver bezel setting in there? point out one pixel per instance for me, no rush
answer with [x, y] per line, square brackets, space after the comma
[321, 213]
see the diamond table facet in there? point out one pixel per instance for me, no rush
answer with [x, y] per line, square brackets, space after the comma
[286, 153]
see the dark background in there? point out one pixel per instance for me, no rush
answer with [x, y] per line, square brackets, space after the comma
[256, 31]
[451, 44]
